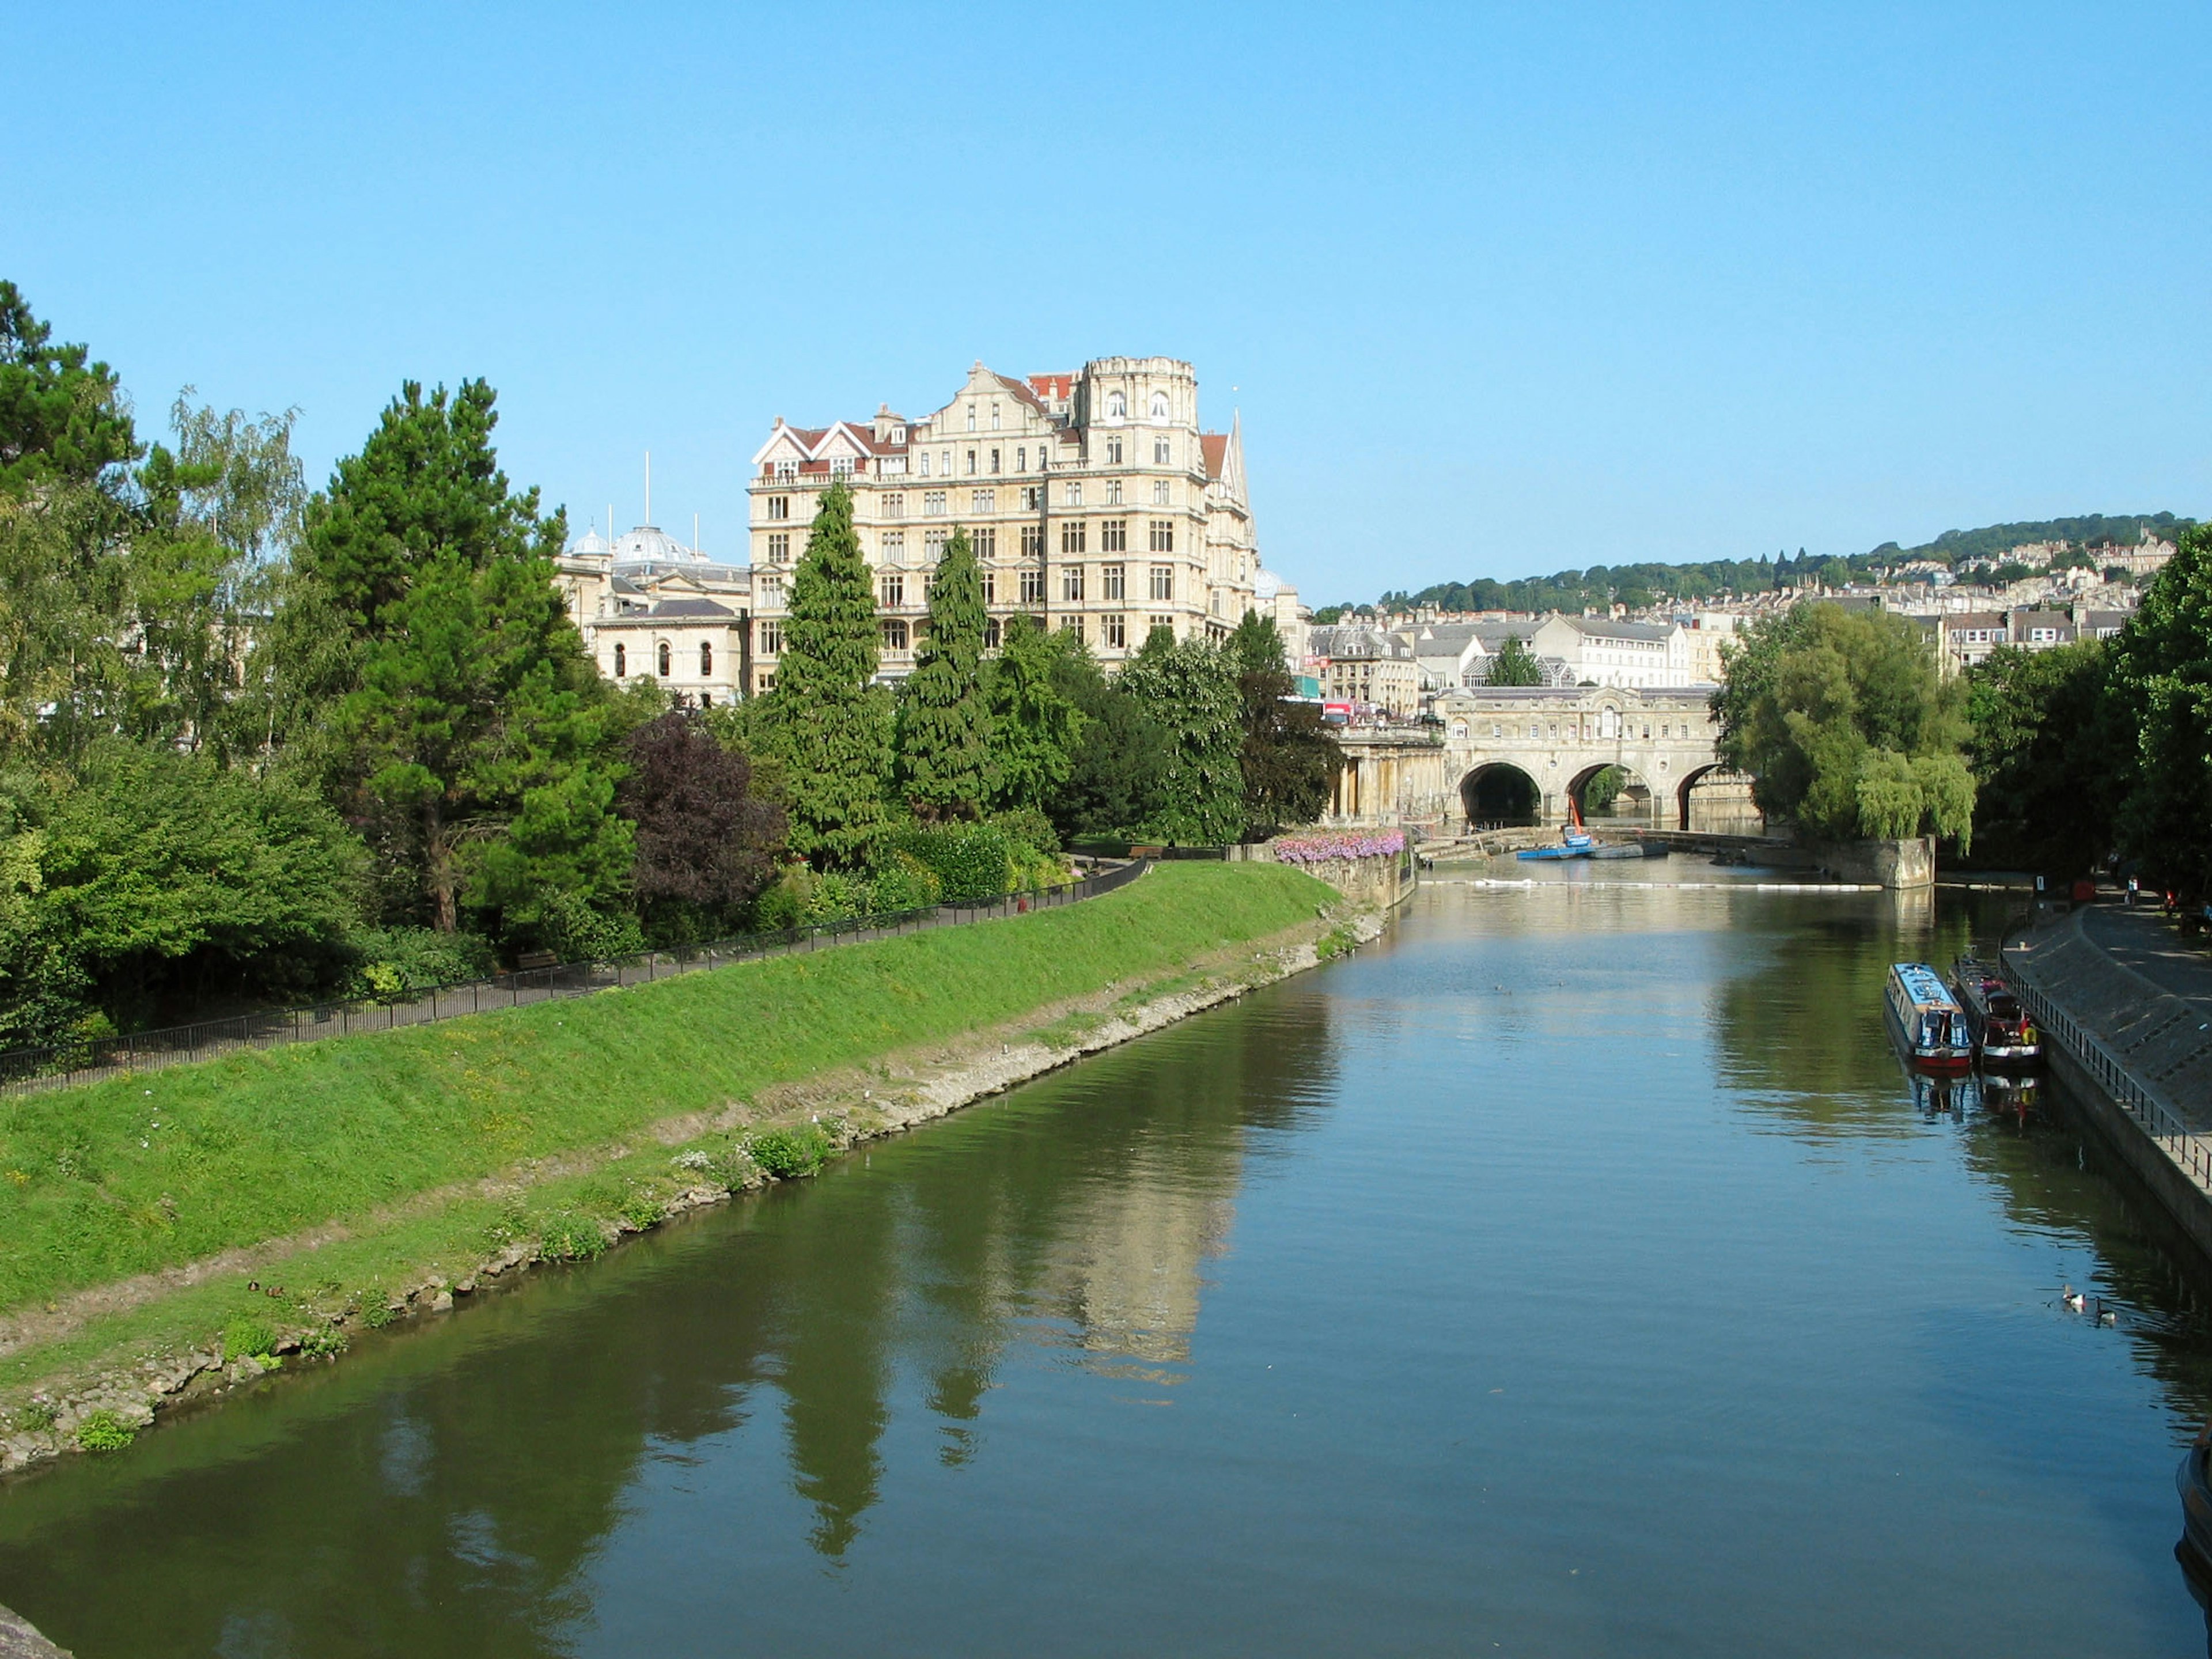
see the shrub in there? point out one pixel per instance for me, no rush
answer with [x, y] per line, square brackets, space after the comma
[785, 1153]
[38, 1415]
[903, 882]
[974, 862]
[569, 1237]
[642, 1210]
[784, 905]
[394, 962]
[104, 1431]
[1027, 827]
[243, 1337]
[837, 898]
[322, 1343]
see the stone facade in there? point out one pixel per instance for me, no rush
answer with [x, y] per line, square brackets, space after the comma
[1095, 501]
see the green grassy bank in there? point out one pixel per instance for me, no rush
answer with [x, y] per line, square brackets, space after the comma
[102, 1182]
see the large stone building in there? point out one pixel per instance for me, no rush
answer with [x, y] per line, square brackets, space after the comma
[649, 607]
[1096, 501]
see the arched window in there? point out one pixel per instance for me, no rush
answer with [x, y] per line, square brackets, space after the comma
[1608, 723]
[621, 662]
[1159, 405]
[664, 660]
[706, 658]
[1117, 406]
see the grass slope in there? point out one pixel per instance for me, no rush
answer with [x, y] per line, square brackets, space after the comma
[115, 1179]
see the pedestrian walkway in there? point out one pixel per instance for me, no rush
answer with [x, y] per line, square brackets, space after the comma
[2120, 977]
[2144, 942]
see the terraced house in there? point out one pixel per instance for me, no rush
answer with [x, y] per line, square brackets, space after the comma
[1095, 501]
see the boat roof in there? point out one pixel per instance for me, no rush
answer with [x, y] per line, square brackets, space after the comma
[1921, 984]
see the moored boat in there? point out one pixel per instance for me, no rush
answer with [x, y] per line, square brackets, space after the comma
[1926, 1019]
[2194, 1481]
[2003, 1035]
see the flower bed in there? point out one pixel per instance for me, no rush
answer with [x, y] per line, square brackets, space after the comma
[1320, 849]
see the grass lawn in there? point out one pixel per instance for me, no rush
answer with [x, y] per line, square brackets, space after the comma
[114, 1179]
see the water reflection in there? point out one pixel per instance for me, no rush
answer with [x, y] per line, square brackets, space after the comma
[1306, 1327]
[470, 1471]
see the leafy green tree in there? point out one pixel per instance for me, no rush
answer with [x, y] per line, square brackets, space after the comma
[831, 724]
[1034, 727]
[1188, 689]
[1514, 664]
[217, 514]
[2050, 761]
[154, 875]
[1602, 791]
[62, 419]
[1846, 727]
[943, 728]
[2162, 682]
[1288, 758]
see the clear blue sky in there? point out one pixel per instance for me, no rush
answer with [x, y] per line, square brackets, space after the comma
[1500, 290]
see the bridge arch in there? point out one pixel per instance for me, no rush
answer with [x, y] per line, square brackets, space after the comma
[1499, 791]
[1716, 771]
[1639, 789]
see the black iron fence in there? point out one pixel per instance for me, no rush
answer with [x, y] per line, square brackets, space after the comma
[2192, 1150]
[59, 1064]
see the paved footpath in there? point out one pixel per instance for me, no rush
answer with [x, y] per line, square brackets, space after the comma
[2145, 941]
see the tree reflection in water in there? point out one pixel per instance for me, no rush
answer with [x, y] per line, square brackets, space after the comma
[444, 1489]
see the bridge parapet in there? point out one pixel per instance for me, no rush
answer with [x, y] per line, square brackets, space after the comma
[1559, 737]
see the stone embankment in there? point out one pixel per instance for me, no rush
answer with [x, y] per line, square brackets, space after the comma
[849, 1107]
[2127, 1026]
[19, 1641]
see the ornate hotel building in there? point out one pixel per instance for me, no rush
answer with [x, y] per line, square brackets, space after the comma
[1095, 500]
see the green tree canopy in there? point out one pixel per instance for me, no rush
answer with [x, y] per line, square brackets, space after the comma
[1188, 689]
[831, 724]
[2049, 762]
[426, 486]
[2162, 683]
[944, 739]
[61, 417]
[1846, 727]
[1514, 664]
[1035, 727]
[1288, 758]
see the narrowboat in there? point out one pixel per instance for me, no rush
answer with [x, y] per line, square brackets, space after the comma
[1925, 1019]
[2003, 1033]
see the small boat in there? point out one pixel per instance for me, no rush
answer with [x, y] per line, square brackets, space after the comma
[2195, 1483]
[2002, 1030]
[1629, 849]
[1926, 1020]
[1575, 842]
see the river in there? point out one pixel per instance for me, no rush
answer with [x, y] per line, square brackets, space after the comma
[1572, 1272]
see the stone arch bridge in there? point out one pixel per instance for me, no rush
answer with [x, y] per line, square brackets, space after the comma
[1540, 746]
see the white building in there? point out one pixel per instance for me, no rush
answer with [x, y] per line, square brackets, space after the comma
[1599, 651]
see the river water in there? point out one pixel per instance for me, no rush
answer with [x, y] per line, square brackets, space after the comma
[1572, 1272]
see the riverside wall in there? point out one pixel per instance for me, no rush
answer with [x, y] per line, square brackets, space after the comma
[1384, 876]
[2135, 1057]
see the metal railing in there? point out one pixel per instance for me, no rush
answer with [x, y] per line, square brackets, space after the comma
[59, 1065]
[2187, 1149]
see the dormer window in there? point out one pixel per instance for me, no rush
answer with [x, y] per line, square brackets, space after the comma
[840, 467]
[898, 434]
[787, 469]
[1159, 405]
[1117, 406]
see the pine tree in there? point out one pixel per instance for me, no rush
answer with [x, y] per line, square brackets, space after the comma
[943, 728]
[832, 723]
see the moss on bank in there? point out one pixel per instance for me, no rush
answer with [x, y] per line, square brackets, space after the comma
[356, 1136]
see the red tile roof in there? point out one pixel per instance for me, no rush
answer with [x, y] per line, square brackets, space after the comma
[1051, 386]
[1214, 446]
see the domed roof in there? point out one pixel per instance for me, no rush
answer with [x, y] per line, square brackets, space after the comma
[591, 542]
[1266, 584]
[647, 545]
